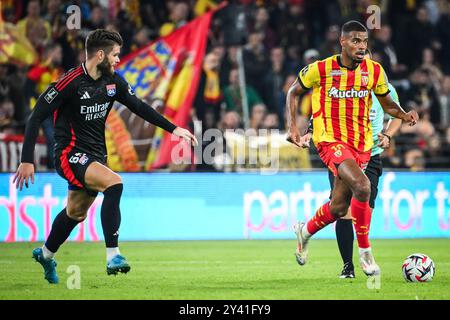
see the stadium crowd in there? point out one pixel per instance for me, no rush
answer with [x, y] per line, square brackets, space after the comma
[277, 39]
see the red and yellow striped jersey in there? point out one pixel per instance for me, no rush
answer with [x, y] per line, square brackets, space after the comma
[341, 100]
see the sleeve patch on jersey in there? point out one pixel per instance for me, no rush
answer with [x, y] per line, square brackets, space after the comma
[130, 91]
[51, 95]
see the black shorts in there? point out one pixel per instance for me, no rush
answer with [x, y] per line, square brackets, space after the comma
[71, 164]
[373, 171]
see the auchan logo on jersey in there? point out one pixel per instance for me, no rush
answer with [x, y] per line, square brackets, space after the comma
[335, 93]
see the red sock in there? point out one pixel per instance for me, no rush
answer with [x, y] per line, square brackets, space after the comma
[361, 214]
[322, 218]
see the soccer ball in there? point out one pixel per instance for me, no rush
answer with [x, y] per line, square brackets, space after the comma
[418, 267]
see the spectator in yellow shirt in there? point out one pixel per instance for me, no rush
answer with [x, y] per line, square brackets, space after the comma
[34, 27]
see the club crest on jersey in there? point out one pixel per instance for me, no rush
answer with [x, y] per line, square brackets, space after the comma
[111, 89]
[84, 159]
[337, 150]
[364, 80]
[80, 158]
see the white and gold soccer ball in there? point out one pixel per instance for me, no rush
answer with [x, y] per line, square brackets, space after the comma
[418, 267]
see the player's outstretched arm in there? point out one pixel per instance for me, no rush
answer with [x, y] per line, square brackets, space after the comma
[392, 108]
[293, 135]
[154, 117]
[127, 97]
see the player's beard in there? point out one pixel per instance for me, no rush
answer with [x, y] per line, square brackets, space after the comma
[106, 68]
[357, 60]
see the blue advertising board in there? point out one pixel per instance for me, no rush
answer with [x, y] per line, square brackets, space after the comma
[200, 206]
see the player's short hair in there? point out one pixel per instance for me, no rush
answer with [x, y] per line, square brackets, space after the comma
[102, 39]
[352, 25]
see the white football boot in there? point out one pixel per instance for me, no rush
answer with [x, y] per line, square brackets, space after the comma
[301, 254]
[368, 264]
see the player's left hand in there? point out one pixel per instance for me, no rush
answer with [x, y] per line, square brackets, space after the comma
[412, 117]
[186, 135]
[24, 173]
[383, 141]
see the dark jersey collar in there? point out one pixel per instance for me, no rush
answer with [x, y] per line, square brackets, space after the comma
[103, 77]
[338, 58]
[83, 65]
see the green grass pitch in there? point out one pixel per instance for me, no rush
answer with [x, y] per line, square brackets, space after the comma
[222, 270]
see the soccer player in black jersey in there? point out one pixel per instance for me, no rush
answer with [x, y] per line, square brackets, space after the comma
[80, 102]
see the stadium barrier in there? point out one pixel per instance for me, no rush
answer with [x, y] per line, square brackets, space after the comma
[200, 206]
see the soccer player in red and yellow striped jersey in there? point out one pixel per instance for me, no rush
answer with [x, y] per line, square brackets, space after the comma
[340, 99]
[342, 133]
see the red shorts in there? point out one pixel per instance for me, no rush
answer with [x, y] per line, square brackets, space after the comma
[334, 153]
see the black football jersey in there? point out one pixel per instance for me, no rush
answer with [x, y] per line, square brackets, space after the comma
[80, 105]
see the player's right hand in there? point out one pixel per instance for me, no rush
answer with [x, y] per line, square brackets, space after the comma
[305, 140]
[24, 172]
[295, 138]
[412, 117]
[186, 135]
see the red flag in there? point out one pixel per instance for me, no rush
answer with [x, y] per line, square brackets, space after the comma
[190, 42]
[169, 69]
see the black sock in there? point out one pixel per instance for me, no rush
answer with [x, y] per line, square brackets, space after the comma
[61, 228]
[110, 215]
[345, 238]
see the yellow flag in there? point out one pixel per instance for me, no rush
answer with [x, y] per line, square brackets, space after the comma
[15, 47]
